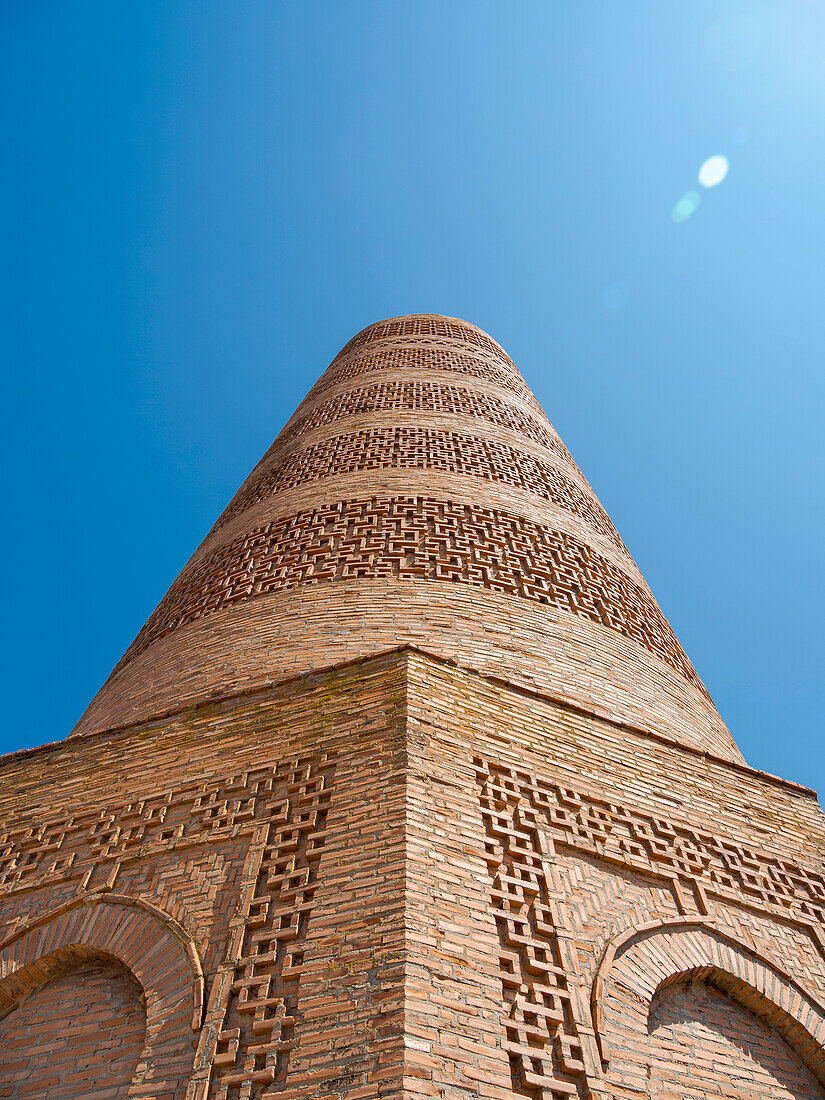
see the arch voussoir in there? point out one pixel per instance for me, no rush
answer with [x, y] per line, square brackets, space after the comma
[645, 960]
[154, 947]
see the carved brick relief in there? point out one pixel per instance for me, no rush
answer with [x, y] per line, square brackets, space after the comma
[418, 538]
[402, 448]
[251, 1022]
[280, 811]
[713, 866]
[79, 845]
[528, 820]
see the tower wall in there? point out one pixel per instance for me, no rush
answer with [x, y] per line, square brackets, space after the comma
[402, 878]
[407, 790]
[419, 495]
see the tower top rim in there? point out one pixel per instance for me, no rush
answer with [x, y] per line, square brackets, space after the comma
[410, 319]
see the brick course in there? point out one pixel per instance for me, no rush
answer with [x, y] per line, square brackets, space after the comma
[80, 1034]
[407, 790]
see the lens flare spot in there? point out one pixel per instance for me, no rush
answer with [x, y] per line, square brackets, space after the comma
[713, 171]
[685, 207]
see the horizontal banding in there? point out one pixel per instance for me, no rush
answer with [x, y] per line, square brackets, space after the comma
[417, 396]
[423, 449]
[420, 355]
[433, 326]
[414, 538]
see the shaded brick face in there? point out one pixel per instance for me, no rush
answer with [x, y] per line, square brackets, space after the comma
[703, 1044]
[79, 1035]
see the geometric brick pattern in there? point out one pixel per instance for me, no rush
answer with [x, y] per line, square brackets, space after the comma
[421, 356]
[408, 448]
[541, 1034]
[57, 847]
[250, 1025]
[420, 458]
[527, 822]
[416, 538]
[426, 397]
[655, 846]
[309, 986]
[431, 327]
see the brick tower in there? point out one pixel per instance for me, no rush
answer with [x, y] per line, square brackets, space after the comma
[407, 789]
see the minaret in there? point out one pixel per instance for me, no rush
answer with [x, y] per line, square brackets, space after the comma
[407, 790]
[419, 496]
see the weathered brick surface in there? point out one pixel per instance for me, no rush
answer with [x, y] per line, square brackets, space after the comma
[707, 1044]
[407, 790]
[266, 832]
[80, 1034]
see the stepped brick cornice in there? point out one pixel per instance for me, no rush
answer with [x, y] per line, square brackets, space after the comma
[419, 494]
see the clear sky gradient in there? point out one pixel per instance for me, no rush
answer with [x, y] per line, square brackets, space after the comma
[203, 201]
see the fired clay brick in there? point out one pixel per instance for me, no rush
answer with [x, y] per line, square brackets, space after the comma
[408, 789]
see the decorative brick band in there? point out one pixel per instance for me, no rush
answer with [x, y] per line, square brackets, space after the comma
[422, 355]
[654, 845]
[414, 538]
[438, 328]
[424, 449]
[431, 397]
[541, 1034]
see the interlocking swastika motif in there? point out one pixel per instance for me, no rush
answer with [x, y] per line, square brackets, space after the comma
[541, 1036]
[420, 354]
[653, 845]
[432, 397]
[255, 1020]
[423, 449]
[285, 807]
[414, 537]
[51, 849]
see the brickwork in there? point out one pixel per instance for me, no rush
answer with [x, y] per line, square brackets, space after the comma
[271, 827]
[430, 327]
[420, 459]
[426, 397]
[80, 1034]
[720, 1050]
[408, 538]
[422, 355]
[423, 449]
[407, 790]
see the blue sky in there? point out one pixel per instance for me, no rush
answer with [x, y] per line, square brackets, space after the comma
[203, 201]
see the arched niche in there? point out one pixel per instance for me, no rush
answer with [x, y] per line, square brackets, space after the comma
[151, 945]
[81, 1031]
[640, 964]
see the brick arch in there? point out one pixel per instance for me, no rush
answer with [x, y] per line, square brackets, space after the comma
[152, 946]
[642, 962]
